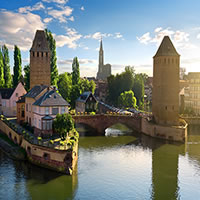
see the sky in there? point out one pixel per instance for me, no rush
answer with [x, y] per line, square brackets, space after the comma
[131, 31]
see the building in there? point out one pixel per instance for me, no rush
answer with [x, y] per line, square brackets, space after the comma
[21, 110]
[33, 95]
[101, 90]
[165, 102]
[192, 93]
[45, 110]
[86, 103]
[40, 73]
[8, 99]
[104, 71]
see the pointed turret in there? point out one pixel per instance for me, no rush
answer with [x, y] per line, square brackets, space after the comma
[166, 48]
[101, 45]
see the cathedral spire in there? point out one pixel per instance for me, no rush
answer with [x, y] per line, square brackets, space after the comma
[101, 45]
[101, 57]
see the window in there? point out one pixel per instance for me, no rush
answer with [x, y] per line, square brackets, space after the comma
[62, 110]
[33, 54]
[42, 54]
[46, 54]
[26, 107]
[4, 103]
[46, 156]
[46, 110]
[37, 54]
[39, 124]
[43, 125]
[55, 111]
[17, 94]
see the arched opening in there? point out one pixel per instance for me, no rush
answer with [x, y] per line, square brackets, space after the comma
[10, 135]
[29, 150]
[15, 140]
[118, 129]
[85, 129]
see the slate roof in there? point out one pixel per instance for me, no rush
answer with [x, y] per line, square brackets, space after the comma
[51, 98]
[84, 96]
[166, 48]
[6, 93]
[35, 91]
[40, 42]
[47, 117]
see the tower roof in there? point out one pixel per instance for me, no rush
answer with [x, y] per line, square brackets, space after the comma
[166, 48]
[101, 45]
[40, 42]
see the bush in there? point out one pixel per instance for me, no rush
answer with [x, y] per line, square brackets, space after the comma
[92, 113]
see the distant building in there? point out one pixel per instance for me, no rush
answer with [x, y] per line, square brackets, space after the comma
[104, 71]
[101, 90]
[40, 73]
[86, 103]
[165, 102]
[192, 93]
[8, 99]
[45, 110]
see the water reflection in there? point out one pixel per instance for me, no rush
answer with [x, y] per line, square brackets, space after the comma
[131, 166]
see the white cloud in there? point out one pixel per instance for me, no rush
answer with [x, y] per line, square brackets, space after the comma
[98, 35]
[56, 1]
[47, 20]
[61, 14]
[180, 38]
[82, 8]
[145, 38]
[70, 39]
[81, 61]
[26, 9]
[18, 29]
[118, 35]
[71, 18]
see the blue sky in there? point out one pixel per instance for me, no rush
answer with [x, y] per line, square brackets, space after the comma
[131, 30]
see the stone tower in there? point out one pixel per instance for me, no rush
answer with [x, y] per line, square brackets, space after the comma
[165, 103]
[40, 73]
[103, 70]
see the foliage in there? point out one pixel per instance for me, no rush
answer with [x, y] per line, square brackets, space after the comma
[138, 89]
[52, 46]
[6, 66]
[75, 72]
[65, 86]
[75, 93]
[120, 83]
[17, 67]
[87, 85]
[127, 99]
[2, 81]
[63, 123]
[27, 77]
[92, 113]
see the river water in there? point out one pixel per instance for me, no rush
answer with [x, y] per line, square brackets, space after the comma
[116, 166]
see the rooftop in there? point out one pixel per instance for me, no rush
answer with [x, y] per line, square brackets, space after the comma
[36, 90]
[6, 93]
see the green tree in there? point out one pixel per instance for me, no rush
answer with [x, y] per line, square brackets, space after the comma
[17, 66]
[75, 93]
[52, 46]
[65, 85]
[75, 72]
[62, 124]
[6, 66]
[127, 99]
[138, 89]
[87, 85]
[27, 77]
[2, 82]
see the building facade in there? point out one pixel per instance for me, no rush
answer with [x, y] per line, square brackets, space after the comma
[40, 73]
[21, 110]
[8, 99]
[192, 93]
[165, 102]
[104, 71]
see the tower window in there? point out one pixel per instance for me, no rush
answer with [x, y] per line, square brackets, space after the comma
[46, 54]
[164, 60]
[37, 54]
[168, 60]
[165, 107]
[33, 54]
[42, 54]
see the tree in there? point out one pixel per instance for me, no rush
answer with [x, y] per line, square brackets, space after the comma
[27, 77]
[62, 124]
[17, 66]
[65, 86]
[75, 93]
[138, 89]
[75, 72]
[6, 66]
[127, 99]
[52, 46]
[87, 85]
[2, 82]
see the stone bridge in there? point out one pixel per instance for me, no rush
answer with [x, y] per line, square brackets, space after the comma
[101, 122]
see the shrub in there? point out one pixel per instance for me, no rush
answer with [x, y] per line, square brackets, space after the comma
[92, 113]
[39, 138]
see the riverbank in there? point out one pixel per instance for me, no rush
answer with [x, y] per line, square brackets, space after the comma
[11, 149]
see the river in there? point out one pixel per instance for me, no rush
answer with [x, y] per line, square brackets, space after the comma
[121, 165]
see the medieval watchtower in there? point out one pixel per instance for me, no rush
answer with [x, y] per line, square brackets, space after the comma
[40, 73]
[165, 103]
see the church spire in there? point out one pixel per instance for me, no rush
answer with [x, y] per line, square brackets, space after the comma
[101, 57]
[101, 45]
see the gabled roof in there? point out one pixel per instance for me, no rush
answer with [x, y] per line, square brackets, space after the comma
[51, 98]
[40, 42]
[166, 48]
[84, 96]
[35, 91]
[21, 99]
[6, 93]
